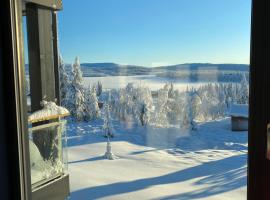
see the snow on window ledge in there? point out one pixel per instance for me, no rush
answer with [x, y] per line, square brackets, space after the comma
[50, 110]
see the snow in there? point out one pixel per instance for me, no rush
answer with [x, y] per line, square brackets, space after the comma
[50, 109]
[239, 110]
[157, 163]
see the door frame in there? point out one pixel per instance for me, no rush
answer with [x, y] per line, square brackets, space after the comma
[15, 181]
[259, 107]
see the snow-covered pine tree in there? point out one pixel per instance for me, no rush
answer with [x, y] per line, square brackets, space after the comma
[187, 119]
[161, 110]
[210, 107]
[99, 88]
[91, 104]
[142, 104]
[75, 99]
[171, 91]
[244, 90]
[64, 82]
[220, 95]
[174, 106]
[107, 126]
[195, 104]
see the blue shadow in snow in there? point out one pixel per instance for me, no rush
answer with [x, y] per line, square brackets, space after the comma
[87, 160]
[219, 176]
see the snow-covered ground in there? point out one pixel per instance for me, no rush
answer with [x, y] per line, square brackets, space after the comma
[157, 163]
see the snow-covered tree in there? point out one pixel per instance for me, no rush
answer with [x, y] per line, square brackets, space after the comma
[243, 90]
[64, 82]
[108, 133]
[212, 102]
[195, 104]
[99, 88]
[161, 108]
[143, 104]
[174, 106]
[187, 116]
[171, 91]
[133, 103]
[107, 126]
[91, 104]
[75, 95]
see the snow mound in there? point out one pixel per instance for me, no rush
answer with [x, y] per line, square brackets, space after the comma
[50, 110]
[108, 154]
[35, 156]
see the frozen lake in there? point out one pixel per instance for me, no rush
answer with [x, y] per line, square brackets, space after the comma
[153, 82]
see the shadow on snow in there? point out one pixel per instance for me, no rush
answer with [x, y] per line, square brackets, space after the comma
[218, 177]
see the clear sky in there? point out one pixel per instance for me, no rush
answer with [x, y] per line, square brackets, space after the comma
[155, 32]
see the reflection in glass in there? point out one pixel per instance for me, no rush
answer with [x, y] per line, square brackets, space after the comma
[47, 144]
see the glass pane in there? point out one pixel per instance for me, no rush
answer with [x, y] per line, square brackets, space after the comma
[47, 152]
[157, 99]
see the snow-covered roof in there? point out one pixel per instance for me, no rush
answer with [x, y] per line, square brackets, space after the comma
[239, 110]
[50, 111]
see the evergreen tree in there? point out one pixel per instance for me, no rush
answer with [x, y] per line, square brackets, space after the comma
[99, 88]
[243, 90]
[187, 120]
[64, 82]
[76, 96]
[142, 104]
[91, 104]
[162, 108]
[195, 104]
[107, 126]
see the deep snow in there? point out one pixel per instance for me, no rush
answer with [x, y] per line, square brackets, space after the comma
[157, 163]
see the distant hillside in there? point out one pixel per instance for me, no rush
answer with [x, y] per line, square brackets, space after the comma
[206, 66]
[113, 69]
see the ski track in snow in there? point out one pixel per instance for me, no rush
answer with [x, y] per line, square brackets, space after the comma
[157, 164]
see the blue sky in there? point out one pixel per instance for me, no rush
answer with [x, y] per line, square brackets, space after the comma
[155, 32]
